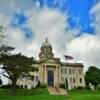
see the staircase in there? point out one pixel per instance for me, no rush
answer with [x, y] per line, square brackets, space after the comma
[56, 91]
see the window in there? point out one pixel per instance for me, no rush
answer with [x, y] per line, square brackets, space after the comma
[36, 69]
[80, 80]
[65, 71]
[36, 78]
[79, 71]
[73, 80]
[73, 71]
[61, 70]
[25, 86]
[33, 78]
[21, 86]
[62, 79]
[69, 71]
[70, 80]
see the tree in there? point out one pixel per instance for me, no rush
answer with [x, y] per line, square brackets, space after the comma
[0, 81]
[92, 76]
[15, 66]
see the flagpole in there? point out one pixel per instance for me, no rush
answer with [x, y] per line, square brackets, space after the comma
[67, 57]
[64, 61]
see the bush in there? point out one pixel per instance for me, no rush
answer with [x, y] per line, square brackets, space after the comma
[8, 86]
[62, 86]
[80, 88]
[87, 88]
[98, 87]
[40, 85]
[0, 82]
[43, 86]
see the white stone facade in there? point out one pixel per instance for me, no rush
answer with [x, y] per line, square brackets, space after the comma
[53, 72]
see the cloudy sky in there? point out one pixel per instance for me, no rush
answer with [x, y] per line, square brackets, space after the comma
[72, 27]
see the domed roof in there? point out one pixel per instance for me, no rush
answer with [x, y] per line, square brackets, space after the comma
[46, 43]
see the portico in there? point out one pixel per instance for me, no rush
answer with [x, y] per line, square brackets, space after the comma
[49, 73]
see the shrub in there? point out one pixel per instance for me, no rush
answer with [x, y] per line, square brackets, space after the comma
[80, 88]
[87, 88]
[40, 85]
[98, 87]
[62, 86]
[43, 86]
[8, 86]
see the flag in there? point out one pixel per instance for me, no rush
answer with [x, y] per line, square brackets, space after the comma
[67, 57]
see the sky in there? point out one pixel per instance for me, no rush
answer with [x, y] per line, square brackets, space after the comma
[71, 26]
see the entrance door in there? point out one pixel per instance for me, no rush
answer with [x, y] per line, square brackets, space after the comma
[50, 77]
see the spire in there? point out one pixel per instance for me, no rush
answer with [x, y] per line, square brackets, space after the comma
[46, 43]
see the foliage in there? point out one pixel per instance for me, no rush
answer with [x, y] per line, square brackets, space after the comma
[5, 49]
[87, 87]
[62, 86]
[98, 87]
[38, 84]
[92, 76]
[41, 85]
[8, 86]
[80, 88]
[0, 82]
[15, 66]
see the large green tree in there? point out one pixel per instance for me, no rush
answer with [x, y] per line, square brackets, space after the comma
[92, 75]
[16, 65]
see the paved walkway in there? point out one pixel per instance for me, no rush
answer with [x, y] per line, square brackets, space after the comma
[57, 91]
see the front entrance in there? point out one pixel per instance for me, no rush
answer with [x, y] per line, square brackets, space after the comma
[50, 78]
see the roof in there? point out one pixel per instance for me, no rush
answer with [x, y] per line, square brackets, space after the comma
[72, 64]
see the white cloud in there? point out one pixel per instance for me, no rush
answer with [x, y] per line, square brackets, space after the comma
[52, 24]
[86, 48]
[44, 23]
[96, 11]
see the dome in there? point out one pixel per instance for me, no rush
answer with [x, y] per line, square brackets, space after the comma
[46, 43]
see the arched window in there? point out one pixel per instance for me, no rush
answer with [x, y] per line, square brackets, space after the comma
[80, 80]
[73, 80]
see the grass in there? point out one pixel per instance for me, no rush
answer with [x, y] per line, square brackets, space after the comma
[84, 95]
[42, 94]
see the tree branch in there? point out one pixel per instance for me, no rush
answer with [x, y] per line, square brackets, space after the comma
[2, 72]
[6, 76]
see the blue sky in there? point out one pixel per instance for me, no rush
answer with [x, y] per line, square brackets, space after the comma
[30, 21]
[78, 11]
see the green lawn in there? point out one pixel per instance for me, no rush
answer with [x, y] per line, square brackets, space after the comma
[42, 94]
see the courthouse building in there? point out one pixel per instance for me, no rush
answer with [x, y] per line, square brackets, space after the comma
[52, 72]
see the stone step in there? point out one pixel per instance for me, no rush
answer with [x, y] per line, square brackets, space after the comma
[56, 91]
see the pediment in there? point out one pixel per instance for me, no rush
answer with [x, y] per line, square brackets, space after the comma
[52, 60]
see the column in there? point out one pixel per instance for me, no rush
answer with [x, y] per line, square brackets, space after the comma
[58, 75]
[45, 75]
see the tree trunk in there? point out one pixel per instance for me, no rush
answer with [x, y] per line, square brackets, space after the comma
[13, 90]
